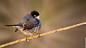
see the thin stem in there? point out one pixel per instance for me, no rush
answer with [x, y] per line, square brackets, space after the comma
[43, 34]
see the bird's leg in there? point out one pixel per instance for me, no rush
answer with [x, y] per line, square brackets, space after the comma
[16, 29]
[37, 33]
[25, 37]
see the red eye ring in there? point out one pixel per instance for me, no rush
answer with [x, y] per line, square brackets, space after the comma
[34, 15]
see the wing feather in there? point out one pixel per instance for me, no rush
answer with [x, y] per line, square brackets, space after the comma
[30, 24]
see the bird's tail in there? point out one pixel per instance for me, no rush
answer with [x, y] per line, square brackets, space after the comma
[14, 25]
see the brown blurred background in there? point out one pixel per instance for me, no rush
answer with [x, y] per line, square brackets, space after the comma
[56, 14]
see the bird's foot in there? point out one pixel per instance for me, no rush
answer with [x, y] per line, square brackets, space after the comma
[25, 37]
[38, 34]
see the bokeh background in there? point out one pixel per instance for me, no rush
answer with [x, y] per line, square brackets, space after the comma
[56, 14]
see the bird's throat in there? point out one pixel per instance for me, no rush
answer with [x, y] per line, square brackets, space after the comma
[38, 18]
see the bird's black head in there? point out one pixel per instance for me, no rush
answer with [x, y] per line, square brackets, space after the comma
[34, 13]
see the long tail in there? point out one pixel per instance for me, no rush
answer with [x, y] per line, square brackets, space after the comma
[10, 25]
[14, 25]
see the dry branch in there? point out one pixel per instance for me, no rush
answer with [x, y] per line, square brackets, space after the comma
[43, 34]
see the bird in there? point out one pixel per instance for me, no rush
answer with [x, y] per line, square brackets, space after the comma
[29, 24]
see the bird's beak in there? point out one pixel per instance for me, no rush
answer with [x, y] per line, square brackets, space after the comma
[39, 15]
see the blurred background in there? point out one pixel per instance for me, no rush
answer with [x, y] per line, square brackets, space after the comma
[56, 14]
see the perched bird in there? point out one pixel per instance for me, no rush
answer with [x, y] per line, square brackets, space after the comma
[29, 24]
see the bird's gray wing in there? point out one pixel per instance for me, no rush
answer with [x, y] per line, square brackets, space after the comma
[27, 17]
[29, 24]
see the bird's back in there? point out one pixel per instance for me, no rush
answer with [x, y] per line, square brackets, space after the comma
[29, 19]
[33, 21]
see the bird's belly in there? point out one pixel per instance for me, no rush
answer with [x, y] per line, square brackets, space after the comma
[28, 32]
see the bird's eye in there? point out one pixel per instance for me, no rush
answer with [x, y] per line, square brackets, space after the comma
[34, 15]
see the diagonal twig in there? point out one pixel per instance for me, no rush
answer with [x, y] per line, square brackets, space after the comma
[43, 34]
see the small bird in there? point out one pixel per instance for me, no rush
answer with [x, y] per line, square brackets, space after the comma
[29, 24]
